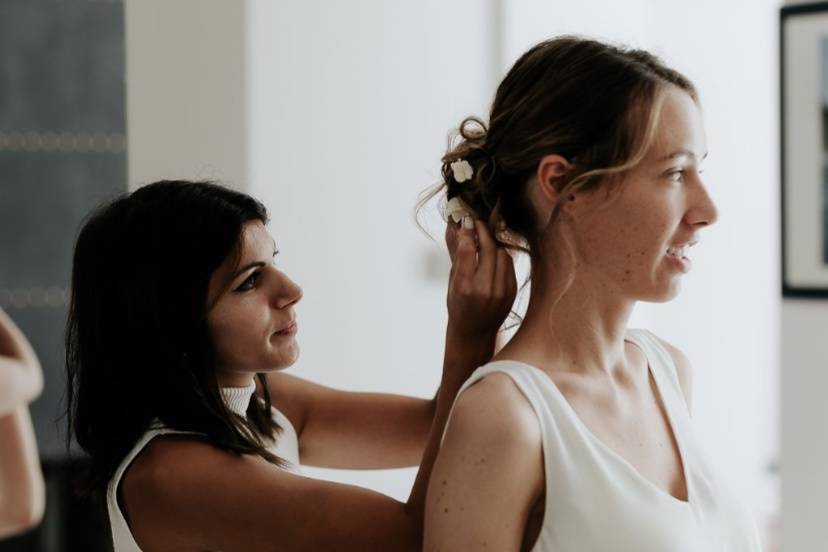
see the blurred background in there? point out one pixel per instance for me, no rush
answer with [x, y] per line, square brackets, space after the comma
[336, 114]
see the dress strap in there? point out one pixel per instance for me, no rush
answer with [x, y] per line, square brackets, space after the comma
[661, 364]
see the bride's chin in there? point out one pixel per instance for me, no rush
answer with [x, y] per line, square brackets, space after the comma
[660, 293]
[668, 294]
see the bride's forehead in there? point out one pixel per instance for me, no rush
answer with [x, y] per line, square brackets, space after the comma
[681, 116]
[679, 129]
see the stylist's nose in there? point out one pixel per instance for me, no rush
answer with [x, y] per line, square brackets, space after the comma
[287, 292]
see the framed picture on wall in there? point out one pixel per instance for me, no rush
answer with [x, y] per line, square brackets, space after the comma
[804, 149]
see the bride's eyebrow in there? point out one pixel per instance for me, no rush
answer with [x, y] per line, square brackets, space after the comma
[683, 153]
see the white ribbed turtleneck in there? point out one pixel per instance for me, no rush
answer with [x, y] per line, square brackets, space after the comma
[238, 398]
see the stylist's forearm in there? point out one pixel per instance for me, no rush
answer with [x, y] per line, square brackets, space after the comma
[463, 354]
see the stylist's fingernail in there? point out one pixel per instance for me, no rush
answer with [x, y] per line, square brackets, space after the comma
[468, 223]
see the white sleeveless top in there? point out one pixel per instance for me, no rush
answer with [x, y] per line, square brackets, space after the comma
[597, 501]
[237, 399]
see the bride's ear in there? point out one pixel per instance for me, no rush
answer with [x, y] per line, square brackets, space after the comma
[551, 170]
[547, 183]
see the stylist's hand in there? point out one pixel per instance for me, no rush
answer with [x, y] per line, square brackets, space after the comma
[482, 284]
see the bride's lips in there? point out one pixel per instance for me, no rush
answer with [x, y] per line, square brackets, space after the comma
[290, 329]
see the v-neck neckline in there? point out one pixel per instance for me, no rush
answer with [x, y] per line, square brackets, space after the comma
[614, 454]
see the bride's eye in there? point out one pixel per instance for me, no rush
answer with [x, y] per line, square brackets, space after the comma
[676, 176]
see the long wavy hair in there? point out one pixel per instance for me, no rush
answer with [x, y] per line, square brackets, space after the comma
[138, 347]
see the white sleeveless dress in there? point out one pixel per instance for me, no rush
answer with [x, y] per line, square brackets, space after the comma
[596, 501]
[237, 399]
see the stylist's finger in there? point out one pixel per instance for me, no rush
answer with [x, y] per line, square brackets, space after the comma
[452, 232]
[486, 255]
[463, 262]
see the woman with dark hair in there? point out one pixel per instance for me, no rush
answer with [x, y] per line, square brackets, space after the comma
[22, 492]
[178, 325]
[577, 436]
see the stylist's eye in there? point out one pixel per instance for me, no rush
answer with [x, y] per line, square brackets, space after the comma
[250, 282]
[274, 256]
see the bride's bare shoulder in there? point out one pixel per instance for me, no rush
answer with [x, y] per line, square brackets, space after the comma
[497, 407]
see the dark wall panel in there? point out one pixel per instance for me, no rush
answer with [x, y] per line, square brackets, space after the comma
[62, 152]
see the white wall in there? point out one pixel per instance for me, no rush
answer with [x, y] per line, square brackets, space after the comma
[804, 379]
[185, 90]
[349, 105]
[527, 22]
[804, 424]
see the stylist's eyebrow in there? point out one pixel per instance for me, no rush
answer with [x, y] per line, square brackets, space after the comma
[247, 267]
[256, 264]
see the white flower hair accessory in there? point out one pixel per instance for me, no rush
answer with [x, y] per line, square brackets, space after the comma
[456, 209]
[462, 170]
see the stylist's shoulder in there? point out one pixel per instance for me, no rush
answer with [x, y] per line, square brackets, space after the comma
[185, 491]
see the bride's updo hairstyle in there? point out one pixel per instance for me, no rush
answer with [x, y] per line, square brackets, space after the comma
[594, 104]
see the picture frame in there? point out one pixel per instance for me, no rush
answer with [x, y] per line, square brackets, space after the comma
[803, 47]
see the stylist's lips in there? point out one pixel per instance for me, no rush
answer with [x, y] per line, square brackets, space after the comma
[288, 330]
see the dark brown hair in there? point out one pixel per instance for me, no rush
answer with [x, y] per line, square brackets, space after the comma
[138, 347]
